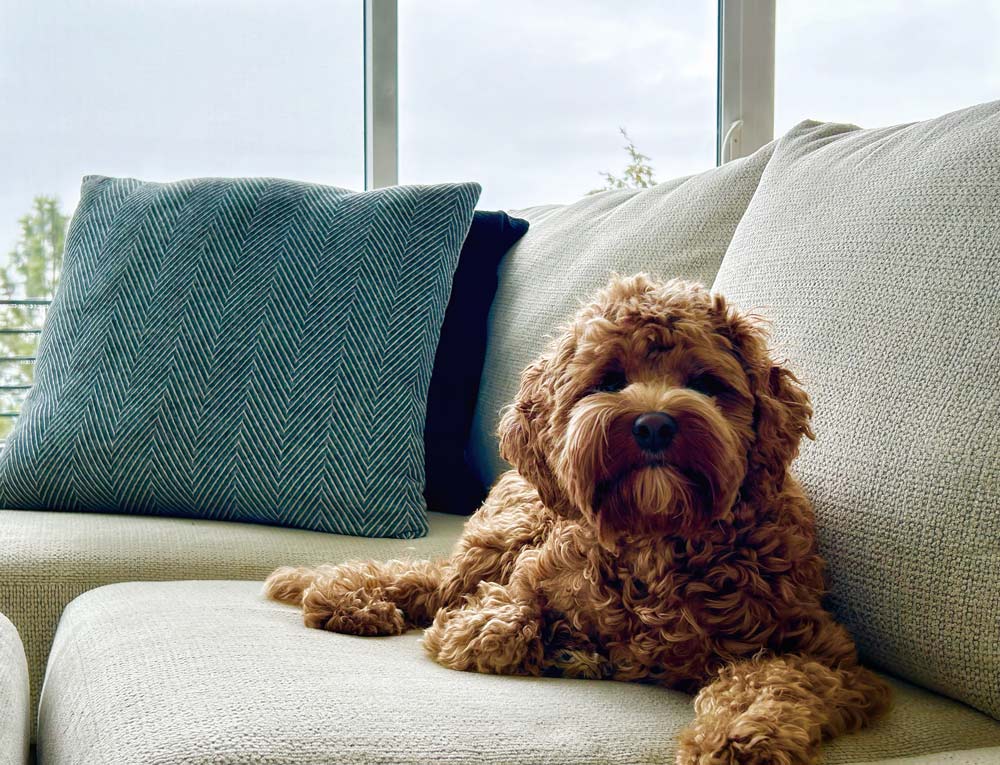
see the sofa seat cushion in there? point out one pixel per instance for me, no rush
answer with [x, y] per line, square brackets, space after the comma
[199, 672]
[48, 558]
[13, 696]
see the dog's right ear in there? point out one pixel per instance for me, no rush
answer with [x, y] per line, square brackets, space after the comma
[526, 439]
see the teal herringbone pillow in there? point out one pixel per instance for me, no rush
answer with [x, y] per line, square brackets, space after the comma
[241, 349]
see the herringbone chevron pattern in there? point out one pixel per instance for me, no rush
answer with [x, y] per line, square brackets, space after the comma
[248, 349]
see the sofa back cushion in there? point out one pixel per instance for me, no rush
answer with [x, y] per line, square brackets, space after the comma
[876, 253]
[242, 349]
[679, 228]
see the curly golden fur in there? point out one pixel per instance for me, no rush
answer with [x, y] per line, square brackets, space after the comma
[684, 556]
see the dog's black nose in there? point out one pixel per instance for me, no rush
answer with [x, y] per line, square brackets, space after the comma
[654, 431]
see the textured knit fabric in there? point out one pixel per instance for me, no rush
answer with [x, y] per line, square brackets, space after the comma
[453, 486]
[210, 672]
[876, 253]
[13, 697]
[680, 228]
[241, 349]
[47, 559]
[985, 756]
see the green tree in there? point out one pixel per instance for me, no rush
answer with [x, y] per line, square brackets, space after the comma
[30, 272]
[638, 173]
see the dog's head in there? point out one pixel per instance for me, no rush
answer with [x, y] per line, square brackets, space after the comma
[653, 411]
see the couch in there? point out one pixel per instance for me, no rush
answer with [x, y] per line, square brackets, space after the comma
[148, 640]
[13, 696]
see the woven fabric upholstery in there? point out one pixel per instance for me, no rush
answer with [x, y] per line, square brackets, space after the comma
[679, 228]
[47, 559]
[210, 672]
[876, 253]
[985, 756]
[241, 349]
[13, 697]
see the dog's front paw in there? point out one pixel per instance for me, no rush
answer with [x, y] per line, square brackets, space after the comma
[746, 739]
[487, 635]
[350, 613]
[287, 584]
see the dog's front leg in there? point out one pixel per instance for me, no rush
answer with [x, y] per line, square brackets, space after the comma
[777, 709]
[497, 631]
[363, 597]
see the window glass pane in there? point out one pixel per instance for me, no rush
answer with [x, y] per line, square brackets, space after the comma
[527, 97]
[878, 64]
[159, 90]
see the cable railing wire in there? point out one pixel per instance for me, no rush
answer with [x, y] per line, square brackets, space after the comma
[14, 387]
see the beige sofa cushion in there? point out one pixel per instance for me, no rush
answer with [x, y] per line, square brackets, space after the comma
[877, 255]
[679, 228]
[985, 756]
[47, 559]
[199, 672]
[13, 697]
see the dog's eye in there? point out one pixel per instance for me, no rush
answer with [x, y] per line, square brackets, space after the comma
[612, 382]
[708, 385]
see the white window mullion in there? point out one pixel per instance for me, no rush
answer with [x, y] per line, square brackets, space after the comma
[381, 94]
[746, 77]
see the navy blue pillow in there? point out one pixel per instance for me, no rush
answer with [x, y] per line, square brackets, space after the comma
[453, 486]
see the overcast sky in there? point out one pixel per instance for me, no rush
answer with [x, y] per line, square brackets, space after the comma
[523, 96]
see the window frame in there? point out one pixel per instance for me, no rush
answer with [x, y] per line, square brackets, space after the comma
[744, 92]
[744, 89]
[746, 78]
[381, 86]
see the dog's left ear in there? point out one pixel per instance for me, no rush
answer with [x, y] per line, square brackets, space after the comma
[781, 419]
[525, 438]
[782, 410]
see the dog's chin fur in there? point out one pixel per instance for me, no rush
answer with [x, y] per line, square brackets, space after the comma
[650, 499]
[626, 492]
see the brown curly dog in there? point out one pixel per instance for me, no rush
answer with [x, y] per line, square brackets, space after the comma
[651, 531]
